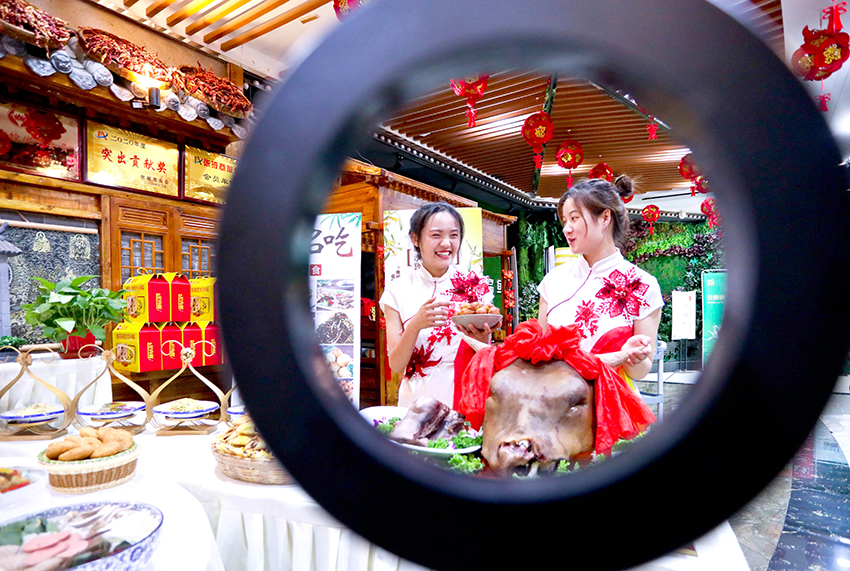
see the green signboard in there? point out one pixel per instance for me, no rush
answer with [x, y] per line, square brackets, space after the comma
[713, 298]
[493, 273]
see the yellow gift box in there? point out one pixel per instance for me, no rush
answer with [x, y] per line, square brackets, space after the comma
[203, 299]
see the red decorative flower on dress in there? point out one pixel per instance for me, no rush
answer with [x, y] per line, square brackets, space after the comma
[587, 318]
[469, 288]
[622, 294]
[420, 360]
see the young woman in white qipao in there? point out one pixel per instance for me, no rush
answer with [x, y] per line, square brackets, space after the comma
[422, 340]
[616, 304]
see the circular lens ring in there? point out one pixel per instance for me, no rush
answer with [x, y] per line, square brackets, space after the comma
[784, 331]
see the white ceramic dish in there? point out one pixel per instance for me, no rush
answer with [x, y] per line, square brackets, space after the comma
[121, 410]
[478, 320]
[376, 414]
[442, 452]
[206, 407]
[20, 415]
[383, 413]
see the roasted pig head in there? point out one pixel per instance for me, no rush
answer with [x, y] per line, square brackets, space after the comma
[535, 416]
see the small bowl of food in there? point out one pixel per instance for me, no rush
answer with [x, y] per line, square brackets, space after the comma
[477, 314]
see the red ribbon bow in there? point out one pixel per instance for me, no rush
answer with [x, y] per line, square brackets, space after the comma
[620, 412]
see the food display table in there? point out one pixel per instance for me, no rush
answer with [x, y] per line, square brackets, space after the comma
[186, 541]
[255, 527]
[68, 375]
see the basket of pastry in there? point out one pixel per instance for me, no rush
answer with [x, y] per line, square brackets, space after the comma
[96, 459]
[242, 454]
[124, 58]
[218, 93]
[23, 21]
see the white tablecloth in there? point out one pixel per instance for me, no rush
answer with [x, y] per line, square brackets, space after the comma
[253, 527]
[68, 375]
[186, 540]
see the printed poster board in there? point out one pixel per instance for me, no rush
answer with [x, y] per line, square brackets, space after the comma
[207, 175]
[713, 298]
[684, 315]
[39, 142]
[335, 296]
[124, 159]
[400, 257]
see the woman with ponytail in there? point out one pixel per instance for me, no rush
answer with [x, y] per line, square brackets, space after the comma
[616, 304]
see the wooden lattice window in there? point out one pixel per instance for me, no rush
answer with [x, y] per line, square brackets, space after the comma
[198, 257]
[141, 252]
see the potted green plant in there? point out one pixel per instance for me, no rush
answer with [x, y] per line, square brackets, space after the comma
[74, 316]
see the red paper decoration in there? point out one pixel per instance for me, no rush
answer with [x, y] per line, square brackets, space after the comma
[653, 131]
[472, 89]
[570, 155]
[708, 208]
[344, 7]
[651, 214]
[601, 170]
[823, 51]
[537, 130]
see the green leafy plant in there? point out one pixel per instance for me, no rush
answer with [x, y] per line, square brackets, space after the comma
[64, 309]
[12, 341]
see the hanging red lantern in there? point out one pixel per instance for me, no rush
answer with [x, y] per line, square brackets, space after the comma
[344, 7]
[537, 130]
[651, 214]
[823, 51]
[708, 208]
[570, 155]
[687, 167]
[689, 170]
[472, 89]
[700, 184]
[602, 170]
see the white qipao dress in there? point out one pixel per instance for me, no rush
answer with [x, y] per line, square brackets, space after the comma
[430, 371]
[605, 300]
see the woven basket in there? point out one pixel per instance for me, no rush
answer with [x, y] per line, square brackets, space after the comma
[83, 476]
[256, 470]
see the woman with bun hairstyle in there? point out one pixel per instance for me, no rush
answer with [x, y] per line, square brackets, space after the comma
[616, 304]
[422, 340]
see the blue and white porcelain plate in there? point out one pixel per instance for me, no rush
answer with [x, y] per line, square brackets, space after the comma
[237, 410]
[33, 413]
[138, 524]
[112, 410]
[199, 408]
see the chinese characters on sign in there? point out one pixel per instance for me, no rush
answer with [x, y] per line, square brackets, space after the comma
[208, 175]
[39, 142]
[124, 159]
[334, 278]
[713, 299]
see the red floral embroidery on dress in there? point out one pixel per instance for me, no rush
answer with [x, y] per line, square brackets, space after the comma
[420, 360]
[587, 318]
[622, 294]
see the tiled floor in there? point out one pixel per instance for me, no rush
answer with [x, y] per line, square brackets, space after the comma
[798, 521]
